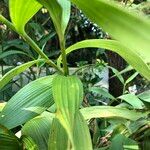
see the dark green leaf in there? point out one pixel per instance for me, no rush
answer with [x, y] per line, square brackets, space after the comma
[29, 102]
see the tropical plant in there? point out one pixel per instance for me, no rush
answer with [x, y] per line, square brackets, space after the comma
[48, 110]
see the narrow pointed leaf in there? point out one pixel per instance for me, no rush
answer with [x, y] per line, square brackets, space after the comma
[60, 13]
[29, 102]
[133, 100]
[145, 96]
[101, 91]
[131, 77]
[21, 11]
[131, 30]
[10, 53]
[17, 70]
[110, 112]
[132, 57]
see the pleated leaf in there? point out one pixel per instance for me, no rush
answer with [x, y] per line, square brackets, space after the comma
[131, 56]
[8, 140]
[39, 129]
[28, 143]
[110, 112]
[16, 71]
[29, 102]
[58, 137]
[21, 11]
[131, 30]
[68, 95]
[82, 138]
[60, 13]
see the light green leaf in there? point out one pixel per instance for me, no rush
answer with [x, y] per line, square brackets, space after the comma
[21, 11]
[68, 95]
[58, 137]
[131, 30]
[132, 100]
[60, 13]
[29, 102]
[39, 129]
[17, 70]
[28, 143]
[82, 137]
[2, 105]
[132, 57]
[110, 112]
[145, 96]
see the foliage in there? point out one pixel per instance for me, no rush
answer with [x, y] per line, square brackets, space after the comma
[50, 108]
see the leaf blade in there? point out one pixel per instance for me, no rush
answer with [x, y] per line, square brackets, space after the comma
[29, 102]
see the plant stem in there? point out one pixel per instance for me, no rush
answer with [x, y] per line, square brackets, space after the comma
[7, 23]
[38, 50]
[64, 57]
[30, 42]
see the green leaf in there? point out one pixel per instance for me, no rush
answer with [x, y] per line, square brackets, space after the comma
[131, 77]
[9, 142]
[60, 13]
[110, 112]
[131, 30]
[82, 137]
[39, 129]
[21, 11]
[133, 100]
[117, 73]
[28, 143]
[68, 95]
[145, 96]
[11, 52]
[17, 70]
[127, 69]
[120, 142]
[101, 91]
[29, 102]
[58, 137]
[132, 57]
